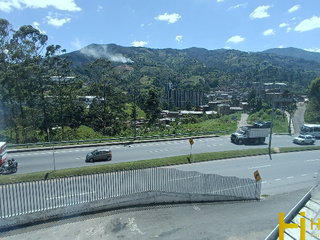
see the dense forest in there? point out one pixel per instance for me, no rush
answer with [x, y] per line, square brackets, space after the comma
[41, 84]
[204, 69]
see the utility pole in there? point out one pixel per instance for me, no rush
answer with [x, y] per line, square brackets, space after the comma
[270, 137]
[54, 159]
[134, 115]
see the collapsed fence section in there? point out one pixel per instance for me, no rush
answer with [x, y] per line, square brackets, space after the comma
[37, 196]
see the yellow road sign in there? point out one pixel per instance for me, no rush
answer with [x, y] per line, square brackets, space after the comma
[257, 176]
[191, 141]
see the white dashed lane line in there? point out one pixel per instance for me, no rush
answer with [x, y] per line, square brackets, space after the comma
[312, 160]
[161, 150]
[263, 166]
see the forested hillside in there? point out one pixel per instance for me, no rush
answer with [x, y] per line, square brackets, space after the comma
[296, 53]
[204, 69]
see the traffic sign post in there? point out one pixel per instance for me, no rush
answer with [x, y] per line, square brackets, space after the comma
[191, 143]
[258, 178]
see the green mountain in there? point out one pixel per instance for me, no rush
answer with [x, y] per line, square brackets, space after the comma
[295, 53]
[199, 68]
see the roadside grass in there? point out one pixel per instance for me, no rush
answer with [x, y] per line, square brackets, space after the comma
[226, 123]
[280, 120]
[144, 164]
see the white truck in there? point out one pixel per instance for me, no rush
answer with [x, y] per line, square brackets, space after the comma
[250, 135]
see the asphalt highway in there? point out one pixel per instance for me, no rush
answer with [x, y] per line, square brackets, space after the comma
[43, 160]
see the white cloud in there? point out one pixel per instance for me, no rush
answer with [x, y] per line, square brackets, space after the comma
[260, 12]
[179, 38]
[237, 6]
[315, 49]
[139, 43]
[171, 18]
[281, 46]
[54, 21]
[308, 24]
[99, 8]
[220, 0]
[289, 29]
[283, 25]
[294, 8]
[268, 32]
[66, 5]
[236, 39]
[36, 26]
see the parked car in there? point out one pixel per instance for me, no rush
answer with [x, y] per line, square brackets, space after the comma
[304, 139]
[262, 124]
[99, 154]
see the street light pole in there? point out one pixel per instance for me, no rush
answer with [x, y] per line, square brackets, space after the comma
[270, 137]
[54, 159]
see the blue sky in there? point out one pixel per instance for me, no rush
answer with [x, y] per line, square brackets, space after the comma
[248, 25]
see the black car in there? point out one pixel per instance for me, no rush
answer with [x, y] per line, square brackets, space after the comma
[262, 124]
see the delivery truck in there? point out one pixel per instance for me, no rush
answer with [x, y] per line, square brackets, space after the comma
[250, 135]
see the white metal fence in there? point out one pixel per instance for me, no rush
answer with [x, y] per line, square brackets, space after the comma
[31, 197]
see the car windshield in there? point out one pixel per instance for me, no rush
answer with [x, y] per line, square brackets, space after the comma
[240, 131]
[305, 129]
[94, 152]
[302, 136]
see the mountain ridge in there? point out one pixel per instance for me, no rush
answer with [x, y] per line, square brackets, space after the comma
[206, 68]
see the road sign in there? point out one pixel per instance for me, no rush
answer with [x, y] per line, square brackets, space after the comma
[257, 176]
[191, 141]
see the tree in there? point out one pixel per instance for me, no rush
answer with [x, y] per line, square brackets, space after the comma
[313, 107]
[258, 106]
[252, 98]
[189, 105]
[152, 106]
[19, 52]
[106, 114]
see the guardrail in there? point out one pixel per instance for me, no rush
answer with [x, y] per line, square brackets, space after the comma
[119, 139]
[125, 188]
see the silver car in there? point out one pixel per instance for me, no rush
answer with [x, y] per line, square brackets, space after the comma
[99, 154]
[304, 139]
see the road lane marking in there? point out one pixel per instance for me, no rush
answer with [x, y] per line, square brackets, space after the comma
[279, 179]
[312, 160]
[263, 166]
[303, 175]
[289, 177]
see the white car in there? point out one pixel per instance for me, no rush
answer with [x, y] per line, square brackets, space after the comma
[304, 139]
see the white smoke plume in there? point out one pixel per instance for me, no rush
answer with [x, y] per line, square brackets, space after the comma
[102, 52]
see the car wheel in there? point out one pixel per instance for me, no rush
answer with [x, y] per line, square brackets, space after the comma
[14, 170]
[240, 141]
[109, 158]
[91, 160]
